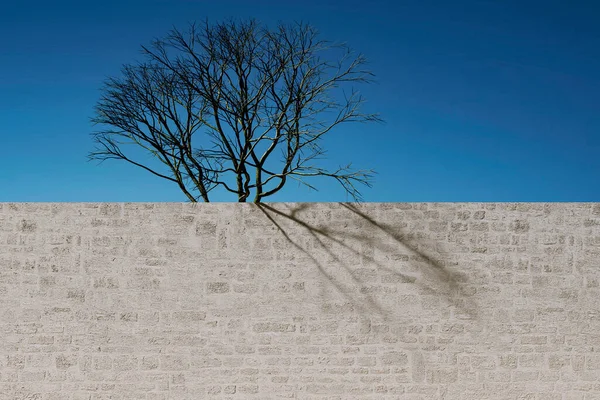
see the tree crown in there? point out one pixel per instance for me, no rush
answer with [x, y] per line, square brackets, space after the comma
[216, 103]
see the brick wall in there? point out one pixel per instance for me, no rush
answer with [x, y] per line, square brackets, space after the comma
[162, 301]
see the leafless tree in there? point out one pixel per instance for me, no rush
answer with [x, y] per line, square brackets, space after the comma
[216, 103]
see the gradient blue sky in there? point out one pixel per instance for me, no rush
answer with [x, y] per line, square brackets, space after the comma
[483, 100]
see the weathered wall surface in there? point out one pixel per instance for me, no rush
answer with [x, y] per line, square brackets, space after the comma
[306, 301]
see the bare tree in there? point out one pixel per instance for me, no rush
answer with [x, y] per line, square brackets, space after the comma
[216, 103]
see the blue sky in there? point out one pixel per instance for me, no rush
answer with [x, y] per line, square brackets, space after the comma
[483, 100]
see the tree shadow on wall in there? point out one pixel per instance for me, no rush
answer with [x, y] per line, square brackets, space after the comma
[407, 250]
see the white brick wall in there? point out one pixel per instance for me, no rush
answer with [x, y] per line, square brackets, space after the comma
[163, 301]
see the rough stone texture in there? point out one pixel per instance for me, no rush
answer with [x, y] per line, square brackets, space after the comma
[163, 301]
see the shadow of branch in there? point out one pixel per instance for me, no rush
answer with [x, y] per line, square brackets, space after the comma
[436, 268]
[313, 232]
